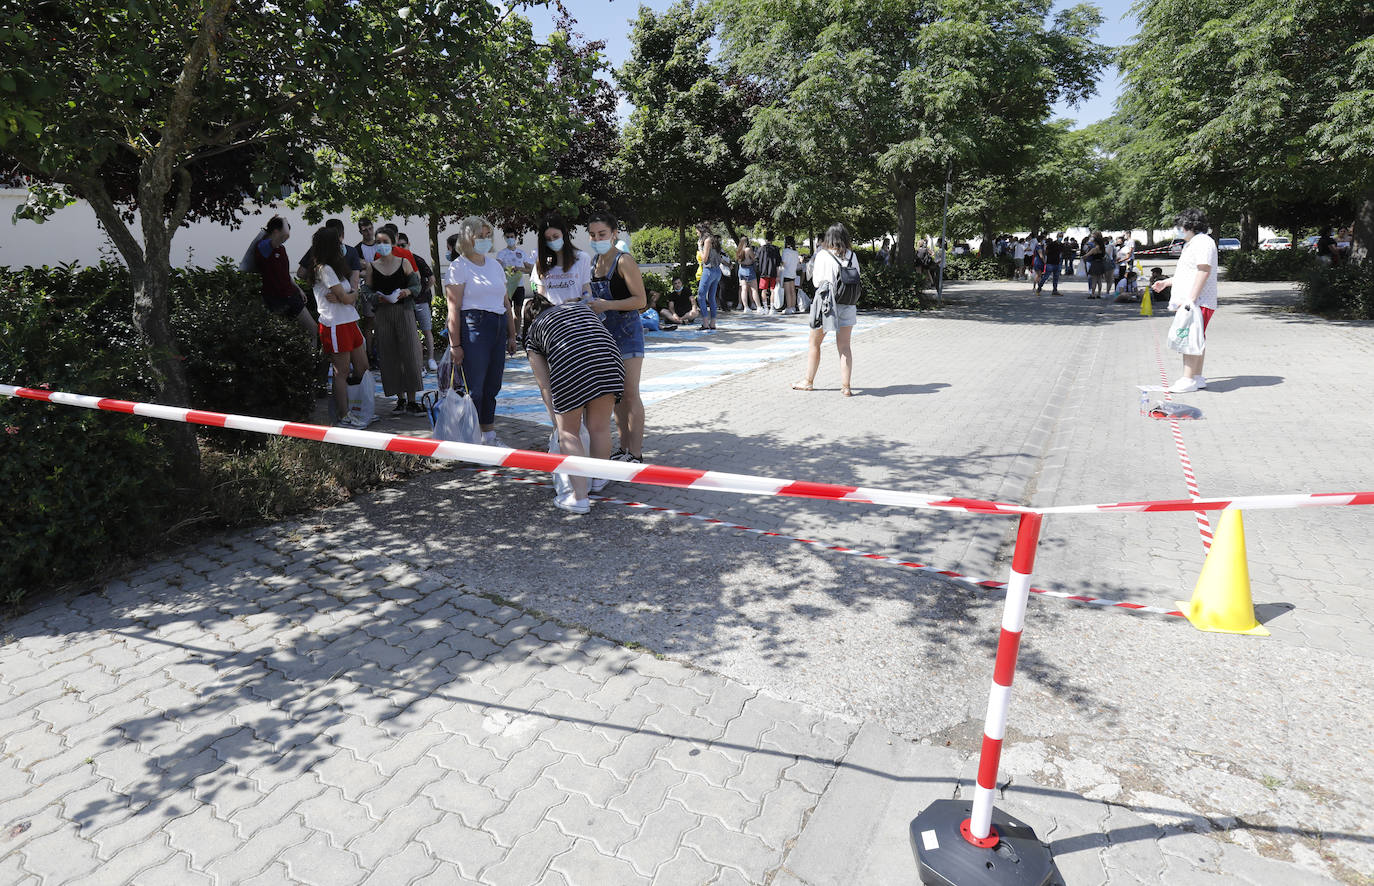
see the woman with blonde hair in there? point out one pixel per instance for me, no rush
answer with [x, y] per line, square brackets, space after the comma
[481, 325]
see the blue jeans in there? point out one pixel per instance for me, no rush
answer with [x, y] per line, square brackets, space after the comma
[484, 359]
[706, 292]
[1049, 269]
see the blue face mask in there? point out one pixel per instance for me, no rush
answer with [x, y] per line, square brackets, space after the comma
[482, 246]
[601, 247]
[384, 249]
[556, 245]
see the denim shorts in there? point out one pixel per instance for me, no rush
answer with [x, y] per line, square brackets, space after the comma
[627, 331]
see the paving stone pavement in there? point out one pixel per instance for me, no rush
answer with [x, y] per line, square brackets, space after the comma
[431, 684]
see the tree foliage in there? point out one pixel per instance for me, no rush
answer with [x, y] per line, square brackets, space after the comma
[1254, 108]
[894, 94]
[183, 109]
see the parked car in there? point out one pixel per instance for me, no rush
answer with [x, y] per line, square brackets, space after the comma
[1310, 242]
[1276, 243]
[1228, 244]
[1176, 247]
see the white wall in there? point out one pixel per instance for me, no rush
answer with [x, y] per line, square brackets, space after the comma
[73, 235]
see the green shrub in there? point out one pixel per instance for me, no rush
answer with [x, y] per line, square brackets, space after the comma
[1268, 265]
[79, 489]
[975, 267]
[658, 245]
[891, 288]
[657, 283]
[1344, 292]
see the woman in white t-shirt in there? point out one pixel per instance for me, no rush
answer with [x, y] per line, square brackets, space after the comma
[1194, 284]
[339, 333]
[481, 324]
[790, 260]
[834, 253]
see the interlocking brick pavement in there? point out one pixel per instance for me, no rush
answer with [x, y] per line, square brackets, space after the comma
[327, 700]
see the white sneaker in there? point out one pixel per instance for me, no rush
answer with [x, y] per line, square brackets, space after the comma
[433, 366]
[1184, 386]
[1201, 381]
[572, 504]
[598, 484]
[351, 421]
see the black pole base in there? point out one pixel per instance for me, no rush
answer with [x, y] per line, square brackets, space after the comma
[946, 858]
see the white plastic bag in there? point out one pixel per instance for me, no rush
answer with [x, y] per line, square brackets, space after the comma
[1185, 333]
[455, 418]
[362, 399]
[562, 483]
[803, 301]
[779, 297]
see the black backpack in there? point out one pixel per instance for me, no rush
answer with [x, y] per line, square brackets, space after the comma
[848, 287]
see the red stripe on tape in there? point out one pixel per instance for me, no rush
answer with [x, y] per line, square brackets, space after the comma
[116, 406]
[972, 504]
[1008, 645]
[1356, 498]
[213, 419]
[35, 394]
[535, 461]
[803, 489]
[988, 760]
[665, 476]
[305, 432]
[412, 445]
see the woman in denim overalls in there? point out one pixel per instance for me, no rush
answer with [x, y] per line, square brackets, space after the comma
[618, 296]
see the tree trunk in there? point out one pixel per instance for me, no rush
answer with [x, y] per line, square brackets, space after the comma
[1249, 230]
[985, 249]
[906, 227]
[1149, 235]
[434, 256]
[1362, 235]
[152, 315]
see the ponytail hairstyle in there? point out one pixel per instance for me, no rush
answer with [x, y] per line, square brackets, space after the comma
[564, 258]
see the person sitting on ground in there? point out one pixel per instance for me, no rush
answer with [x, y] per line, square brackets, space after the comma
[652, 319]
[681, 308]
[1156, 275]
[1126, 289]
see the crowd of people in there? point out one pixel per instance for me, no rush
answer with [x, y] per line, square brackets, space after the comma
[1108, 264]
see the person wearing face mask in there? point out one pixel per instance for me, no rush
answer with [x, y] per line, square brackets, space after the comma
[618, 296]
[424, 313]
[481, 324]
[394, 284]
[682, 308]
[367, 305]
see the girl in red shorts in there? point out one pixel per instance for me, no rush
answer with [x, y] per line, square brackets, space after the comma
[339, 333]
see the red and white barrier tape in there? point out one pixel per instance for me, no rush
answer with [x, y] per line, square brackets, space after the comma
[884, 559]
[657, 475]
[1204, 526]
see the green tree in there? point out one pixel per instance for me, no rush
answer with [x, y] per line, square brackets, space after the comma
[1242, 105]
[484, 130]
[680, 148]
[895, 93]
[169, 110]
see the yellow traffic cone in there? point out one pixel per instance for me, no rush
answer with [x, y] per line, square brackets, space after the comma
[1146, 309]
[1221, 600]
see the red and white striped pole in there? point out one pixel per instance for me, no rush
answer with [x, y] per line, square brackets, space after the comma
[978, 829]
[957, 842]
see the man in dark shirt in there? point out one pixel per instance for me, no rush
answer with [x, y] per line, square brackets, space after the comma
[280, 294]
[682, 307]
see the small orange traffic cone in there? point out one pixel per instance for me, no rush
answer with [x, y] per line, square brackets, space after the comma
[1221, 600]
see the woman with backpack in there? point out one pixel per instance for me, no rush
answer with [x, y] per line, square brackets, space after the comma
[834, 272]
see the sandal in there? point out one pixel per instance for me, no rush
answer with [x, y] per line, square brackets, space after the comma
[845, 391]
[802, 386]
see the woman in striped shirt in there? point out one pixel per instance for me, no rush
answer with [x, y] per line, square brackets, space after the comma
[577, 364]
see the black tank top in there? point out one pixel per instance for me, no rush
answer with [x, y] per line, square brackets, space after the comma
[391, 282]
